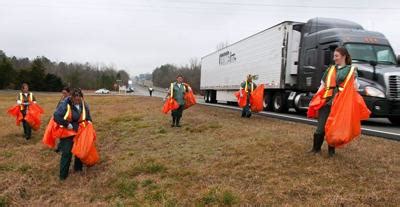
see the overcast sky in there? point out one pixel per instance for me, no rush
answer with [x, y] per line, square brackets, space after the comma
[139, 35]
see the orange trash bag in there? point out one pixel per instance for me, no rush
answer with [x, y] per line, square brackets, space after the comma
[33, 116]
[48, 137]
[84, 144]
[190, 99]
[257, 99]
[16, 112]
[344, 121]
[169, 105]
[62, 132]
[55, 131]
[317, 102]
[242, 101]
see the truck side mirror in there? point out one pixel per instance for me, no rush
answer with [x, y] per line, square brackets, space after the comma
[373, 63]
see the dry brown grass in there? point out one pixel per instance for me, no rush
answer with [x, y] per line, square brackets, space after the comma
[216, 158]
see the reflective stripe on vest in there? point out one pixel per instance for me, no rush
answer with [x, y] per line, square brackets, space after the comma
[172, 89]
[21, 98]
[68, 114]
[246, 87]
[330, 81]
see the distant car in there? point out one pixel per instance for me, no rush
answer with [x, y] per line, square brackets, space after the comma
[130, 90]
[102, 91]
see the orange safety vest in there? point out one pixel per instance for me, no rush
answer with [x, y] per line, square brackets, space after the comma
[330, 81]
[246, 88]
[21, 98]
[68, 114]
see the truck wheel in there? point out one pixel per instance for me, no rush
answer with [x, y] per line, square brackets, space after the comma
[395, 120]
[213, 96]
[267, 101]
[279, 103]
[297, 104]
[207, 97]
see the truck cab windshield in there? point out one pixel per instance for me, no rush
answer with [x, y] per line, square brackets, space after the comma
[367, 52]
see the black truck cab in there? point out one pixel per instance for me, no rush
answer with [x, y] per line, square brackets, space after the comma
[378, 67]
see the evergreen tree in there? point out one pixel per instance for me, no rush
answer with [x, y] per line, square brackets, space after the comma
[37, 75]
[53, 83]
[7, 72]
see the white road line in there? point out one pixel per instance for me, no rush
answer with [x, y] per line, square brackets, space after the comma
[302, 119]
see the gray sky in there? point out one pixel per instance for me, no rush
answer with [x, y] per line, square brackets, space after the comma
[139, 35]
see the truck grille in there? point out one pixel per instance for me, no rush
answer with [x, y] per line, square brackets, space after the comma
[394, 86]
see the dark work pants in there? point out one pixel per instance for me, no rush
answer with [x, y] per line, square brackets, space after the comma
[323, 115]
[176, 115]
[27, 129]
[65, 146]
[178, 112]
[26, 126]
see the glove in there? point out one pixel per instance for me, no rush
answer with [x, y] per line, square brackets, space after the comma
[19, 102]
[34, 102]
[70, 126]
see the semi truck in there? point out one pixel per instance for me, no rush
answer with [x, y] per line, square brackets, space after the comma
[290, 59]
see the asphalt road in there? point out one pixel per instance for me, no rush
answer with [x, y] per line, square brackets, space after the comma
[380, 127]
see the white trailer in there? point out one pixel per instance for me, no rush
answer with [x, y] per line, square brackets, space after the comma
[290, 59]
[271, 55]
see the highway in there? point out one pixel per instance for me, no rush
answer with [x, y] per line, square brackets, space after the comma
[379, 127]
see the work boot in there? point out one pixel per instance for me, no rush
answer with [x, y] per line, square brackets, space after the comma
[29, 135]
[318, 139]
[248, 114]
[331, 151]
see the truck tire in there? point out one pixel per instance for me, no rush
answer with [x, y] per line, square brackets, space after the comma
[207, 97]
[268, 101]
[213, 96]
[279, 103]
[395, 120]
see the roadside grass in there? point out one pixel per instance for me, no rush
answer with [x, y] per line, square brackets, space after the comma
[215, 159]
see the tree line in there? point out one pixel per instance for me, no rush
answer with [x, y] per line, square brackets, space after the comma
[165, 74]
[43, 74]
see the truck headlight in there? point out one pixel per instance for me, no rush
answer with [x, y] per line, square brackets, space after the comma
[372, 91]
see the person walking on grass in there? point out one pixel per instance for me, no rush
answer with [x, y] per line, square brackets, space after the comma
[27, 111]
[338, 82]
[178, 90]
[246, 87]
[70, 114]
[25, 98]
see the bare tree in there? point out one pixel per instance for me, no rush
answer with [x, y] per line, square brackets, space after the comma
[194, 63]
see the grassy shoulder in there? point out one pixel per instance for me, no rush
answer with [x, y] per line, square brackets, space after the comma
[216, 158]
